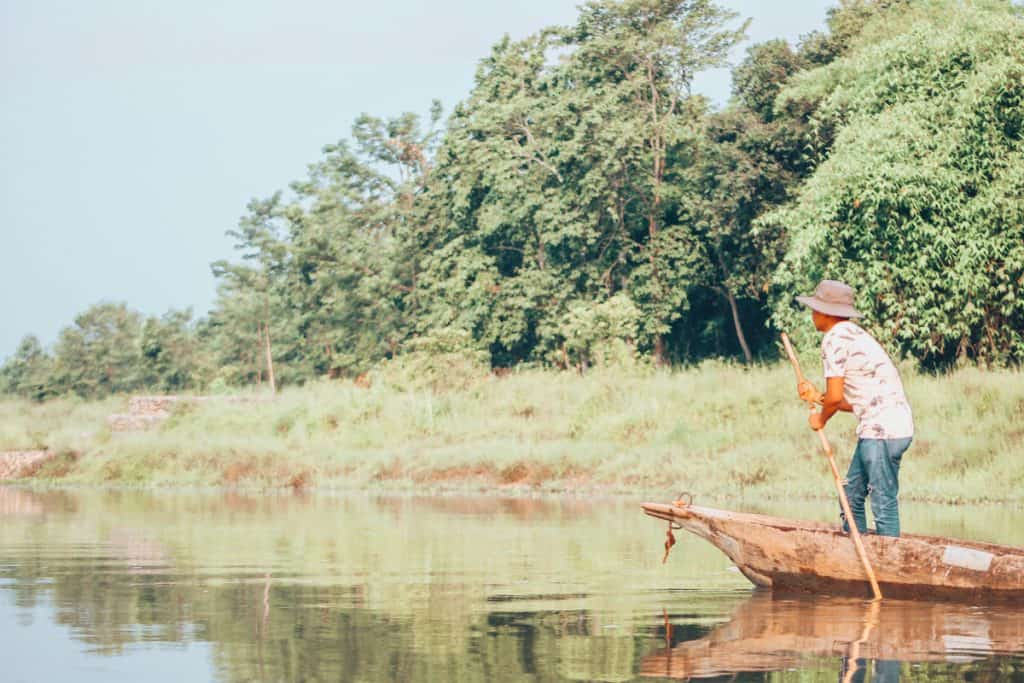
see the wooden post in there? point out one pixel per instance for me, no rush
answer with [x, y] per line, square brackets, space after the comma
[843, 501]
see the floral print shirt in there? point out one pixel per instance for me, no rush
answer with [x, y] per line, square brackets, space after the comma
[872, 385]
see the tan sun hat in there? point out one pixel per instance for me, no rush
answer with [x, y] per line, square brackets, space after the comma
[832, 297]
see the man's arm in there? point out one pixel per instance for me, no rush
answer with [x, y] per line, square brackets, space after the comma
[832, 402]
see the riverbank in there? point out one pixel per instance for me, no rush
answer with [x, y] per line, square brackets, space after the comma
[720, 431]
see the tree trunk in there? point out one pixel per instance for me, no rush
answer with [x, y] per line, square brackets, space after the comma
[739, 328]
[254, 359]
[270, 360]
[659, 351]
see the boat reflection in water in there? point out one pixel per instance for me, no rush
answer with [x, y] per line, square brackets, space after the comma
[772, 634]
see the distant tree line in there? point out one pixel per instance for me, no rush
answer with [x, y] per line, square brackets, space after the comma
[583, 199]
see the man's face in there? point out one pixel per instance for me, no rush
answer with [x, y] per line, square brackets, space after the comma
[820, 321]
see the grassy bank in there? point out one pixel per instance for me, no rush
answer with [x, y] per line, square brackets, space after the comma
[718, 431]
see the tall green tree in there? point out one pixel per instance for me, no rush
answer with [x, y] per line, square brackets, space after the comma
[99, 354]
[556, 179]
[252, 317]
[751, 158]
[500, 241]
[171, 357]
[356, 256]
[327, 276]
[918, 204]
[28, 372]
[642, 55]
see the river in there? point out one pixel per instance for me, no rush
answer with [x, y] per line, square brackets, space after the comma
[214, 586]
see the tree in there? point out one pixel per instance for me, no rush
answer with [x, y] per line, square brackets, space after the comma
[99, 354]
[27, 372]
[170, 355]
[918, 204]
[502, 248]
[633, 63]
[555, 182]
[330, 273]
[356, 256]
[750, 159]
[251, 309]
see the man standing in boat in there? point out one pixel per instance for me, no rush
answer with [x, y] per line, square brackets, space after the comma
[862, 379]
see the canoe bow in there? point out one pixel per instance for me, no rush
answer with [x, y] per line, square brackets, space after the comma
[815, 557]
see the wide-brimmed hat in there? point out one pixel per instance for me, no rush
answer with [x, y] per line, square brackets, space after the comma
[832, 297]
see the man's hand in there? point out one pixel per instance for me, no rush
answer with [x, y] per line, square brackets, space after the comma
[831, 401]
[808, 392]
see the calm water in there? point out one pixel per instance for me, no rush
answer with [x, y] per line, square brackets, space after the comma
[110, 586]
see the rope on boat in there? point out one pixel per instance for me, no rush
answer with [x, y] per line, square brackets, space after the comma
[668, 632]
[670, 539]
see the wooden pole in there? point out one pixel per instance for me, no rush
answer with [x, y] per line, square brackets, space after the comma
[843, 501]
[854, 651]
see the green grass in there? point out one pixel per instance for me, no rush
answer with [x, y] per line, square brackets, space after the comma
[719, 430]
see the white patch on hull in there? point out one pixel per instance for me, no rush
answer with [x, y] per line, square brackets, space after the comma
[978, 560]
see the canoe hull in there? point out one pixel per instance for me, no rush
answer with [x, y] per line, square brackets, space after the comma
[807, 557]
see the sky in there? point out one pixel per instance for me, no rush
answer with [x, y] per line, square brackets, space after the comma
[134, 132]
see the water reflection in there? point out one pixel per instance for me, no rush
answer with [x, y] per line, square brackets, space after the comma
[370, 588]
[766, 634]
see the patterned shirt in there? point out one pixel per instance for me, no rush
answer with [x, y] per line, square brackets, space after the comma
[872, 385]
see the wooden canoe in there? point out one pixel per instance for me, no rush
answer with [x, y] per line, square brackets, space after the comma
[788, 555]
[770, 634]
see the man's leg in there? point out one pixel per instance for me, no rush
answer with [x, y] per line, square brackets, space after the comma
[856, 486]
[886, 671]
[881, 459]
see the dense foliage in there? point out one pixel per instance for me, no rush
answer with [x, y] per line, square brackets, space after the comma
[581, 204]
[921, 200]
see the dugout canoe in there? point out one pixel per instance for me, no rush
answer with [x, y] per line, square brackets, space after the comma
[766, 633]
[787, 555]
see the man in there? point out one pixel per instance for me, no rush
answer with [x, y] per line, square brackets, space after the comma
[861, 378]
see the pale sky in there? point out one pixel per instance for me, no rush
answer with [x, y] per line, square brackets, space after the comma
[134, 132]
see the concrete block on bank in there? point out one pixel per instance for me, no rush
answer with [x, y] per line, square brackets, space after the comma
[127, 422]
[146, 412]
[16, 464]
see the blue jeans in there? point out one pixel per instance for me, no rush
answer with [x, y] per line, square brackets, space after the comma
[875, 471]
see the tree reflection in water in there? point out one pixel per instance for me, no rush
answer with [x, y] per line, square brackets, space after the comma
[371, 588]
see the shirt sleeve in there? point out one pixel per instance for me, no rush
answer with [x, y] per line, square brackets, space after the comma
[834, 353]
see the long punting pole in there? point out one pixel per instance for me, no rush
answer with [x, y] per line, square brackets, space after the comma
[854, 533]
